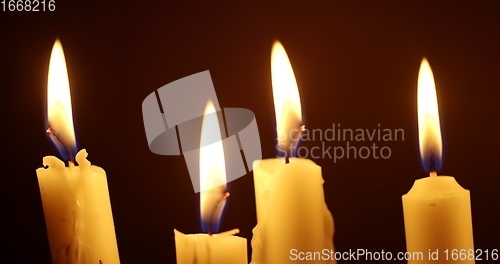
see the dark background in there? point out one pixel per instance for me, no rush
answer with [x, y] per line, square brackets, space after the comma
[356, 65]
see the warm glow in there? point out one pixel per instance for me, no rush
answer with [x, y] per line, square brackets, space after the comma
[429, 130]
[59, 112]
[286, 97]
[212, 170]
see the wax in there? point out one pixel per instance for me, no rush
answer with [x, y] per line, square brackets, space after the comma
[291, 211]
[437, 217]
[210, 249]
[437, 210]
[77, 212]
[292, 215]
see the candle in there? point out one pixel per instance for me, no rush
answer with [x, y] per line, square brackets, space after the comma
[437, 212]
[211, 248]
[292, 216]
[75, 199]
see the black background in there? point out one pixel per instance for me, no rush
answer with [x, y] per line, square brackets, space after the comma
[356, 65]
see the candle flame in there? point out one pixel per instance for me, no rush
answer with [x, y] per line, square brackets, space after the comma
[213, 193]
[59, 111]
[429, 130]
[286, 97]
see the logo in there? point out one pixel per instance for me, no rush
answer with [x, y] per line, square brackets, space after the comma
[173, 117]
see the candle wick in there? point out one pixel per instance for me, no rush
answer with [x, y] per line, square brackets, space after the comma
[295, 140]
[432, 162]
[57, 137]
[211, 224]
[433, 174]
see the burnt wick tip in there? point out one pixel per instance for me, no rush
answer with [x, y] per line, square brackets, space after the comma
[50, 131]
[215, 208]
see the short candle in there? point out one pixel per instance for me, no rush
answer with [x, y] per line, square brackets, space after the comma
[211, 248]
[437, 210]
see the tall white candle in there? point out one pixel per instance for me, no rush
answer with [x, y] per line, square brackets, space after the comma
[437, 210]
[75, 199]
[224, 248]
[77, 212]
[292, 216]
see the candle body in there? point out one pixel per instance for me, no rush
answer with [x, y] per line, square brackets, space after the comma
[77, 212]
[291, 213]
[206, 249]
[437, 216]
